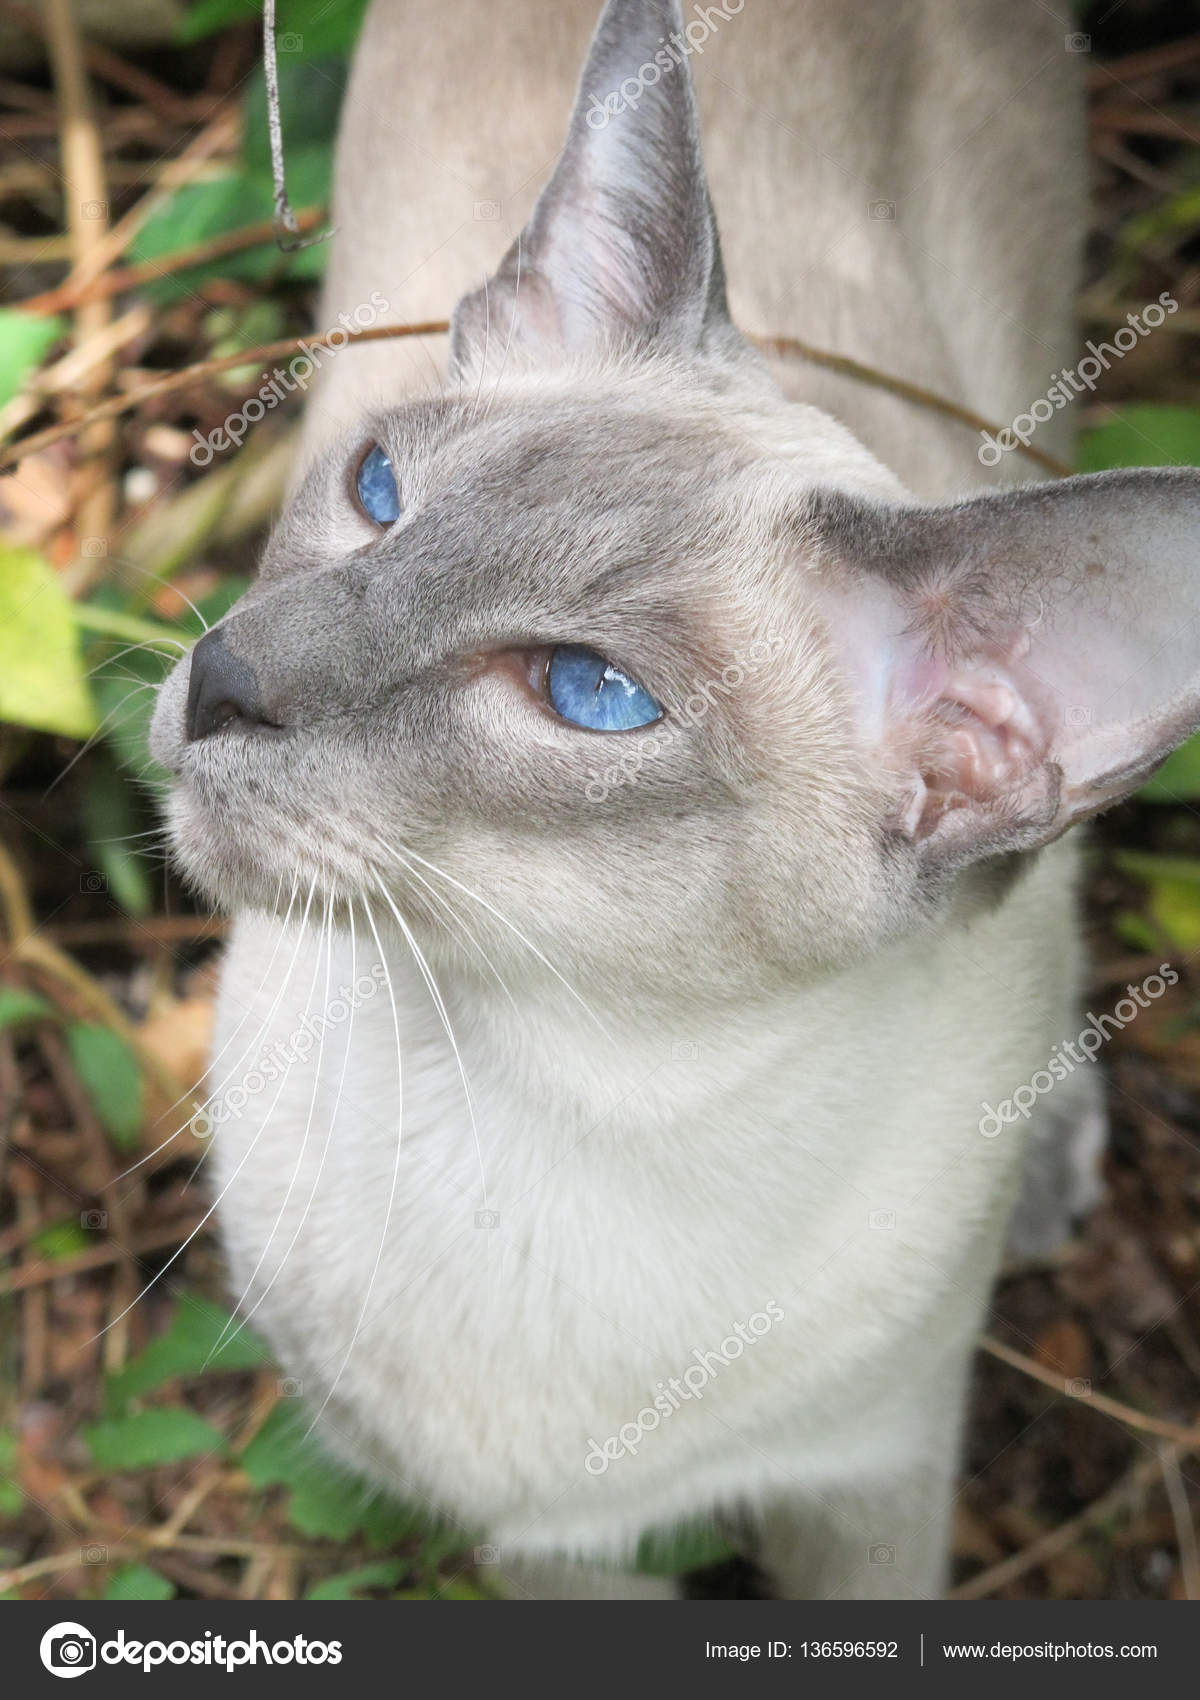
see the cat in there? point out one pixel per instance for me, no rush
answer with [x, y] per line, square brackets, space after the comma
[639, 776]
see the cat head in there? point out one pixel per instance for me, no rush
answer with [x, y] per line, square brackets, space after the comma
[666, 671]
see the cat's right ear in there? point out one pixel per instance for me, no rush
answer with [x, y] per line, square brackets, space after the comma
[1020, 660]
[622, 248]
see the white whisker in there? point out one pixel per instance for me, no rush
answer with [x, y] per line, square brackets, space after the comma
[444, 902]
[141, 685]
[328, 1137]
[387, 1220]
[505, 922]
[246, 1156]
[327, 933]
[444, 1016]
[200, 1109]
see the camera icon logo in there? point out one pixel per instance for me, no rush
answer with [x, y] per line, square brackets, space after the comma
[291, 43]
[93, 884]
[487, 1218]
[882, 1220]
[685, 1050]
[881, 210]
[95, 1221]
[489, 211]
[68, 1649]
[1078, 43]
[1078, 715]
[881, 1553]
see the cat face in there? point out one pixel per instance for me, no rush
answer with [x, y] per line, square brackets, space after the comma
[662, 667]
[433, 690]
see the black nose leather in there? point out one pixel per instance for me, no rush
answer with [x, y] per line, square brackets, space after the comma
[221, 688]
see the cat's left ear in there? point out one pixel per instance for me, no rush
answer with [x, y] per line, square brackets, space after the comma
[622, 248]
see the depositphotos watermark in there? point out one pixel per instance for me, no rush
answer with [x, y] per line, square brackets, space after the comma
[690, 1385]
[676, 48]
[273, 1063]
[1072, 381]
[68, 1649]
[639, 750]
[1066, 1058]
[285, 381]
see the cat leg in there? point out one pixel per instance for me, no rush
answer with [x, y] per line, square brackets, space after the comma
[1061, 1178]
[890, 1542]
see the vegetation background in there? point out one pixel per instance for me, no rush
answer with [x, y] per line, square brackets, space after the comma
[146, 1451]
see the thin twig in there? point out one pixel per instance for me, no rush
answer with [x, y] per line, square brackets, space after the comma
[155, 930]
[1181, 1512]
[136, 1545]
[219, 134]
[149, 271]
[87, 218]
[915, 393]
[1062, 1538]
[104, 63]
[1188, 1438]
[84, 1262]
[438, 327]
[287, 231]
[204, 369]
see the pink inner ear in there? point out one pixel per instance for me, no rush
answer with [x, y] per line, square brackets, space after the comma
[983, 741]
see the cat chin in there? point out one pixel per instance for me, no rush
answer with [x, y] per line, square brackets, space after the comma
[222, 862]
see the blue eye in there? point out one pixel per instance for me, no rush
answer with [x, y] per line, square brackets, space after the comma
[377, 488]
[589, 691]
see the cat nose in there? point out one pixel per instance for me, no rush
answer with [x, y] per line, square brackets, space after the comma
[222, 689]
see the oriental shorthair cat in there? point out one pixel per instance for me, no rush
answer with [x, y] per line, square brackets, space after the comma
[641, 776]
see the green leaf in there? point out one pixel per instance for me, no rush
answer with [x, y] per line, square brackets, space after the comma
[126, 709]
[690, 1546]
[1178, 779]
[388, 1522]
[1174, 892]
[24, 339]
[304, 27]
[112, 1078]
[112, 821]
[1143, 435]
[186, 1349]
[1170, 221]
[42, 679]
[139, 1582]
[162, 1435]
[200, 211]
[206, 17]
[459, 1588]
[63, 1239]
[310, 99]
[94, 617]
[326, 1501]
[1134, 931]
[12, 1500]
[17, 1007]
[352, 1584]
[218, 602]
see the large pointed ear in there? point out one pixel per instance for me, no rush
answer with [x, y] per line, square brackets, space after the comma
[622, 248]
[1021, 660]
